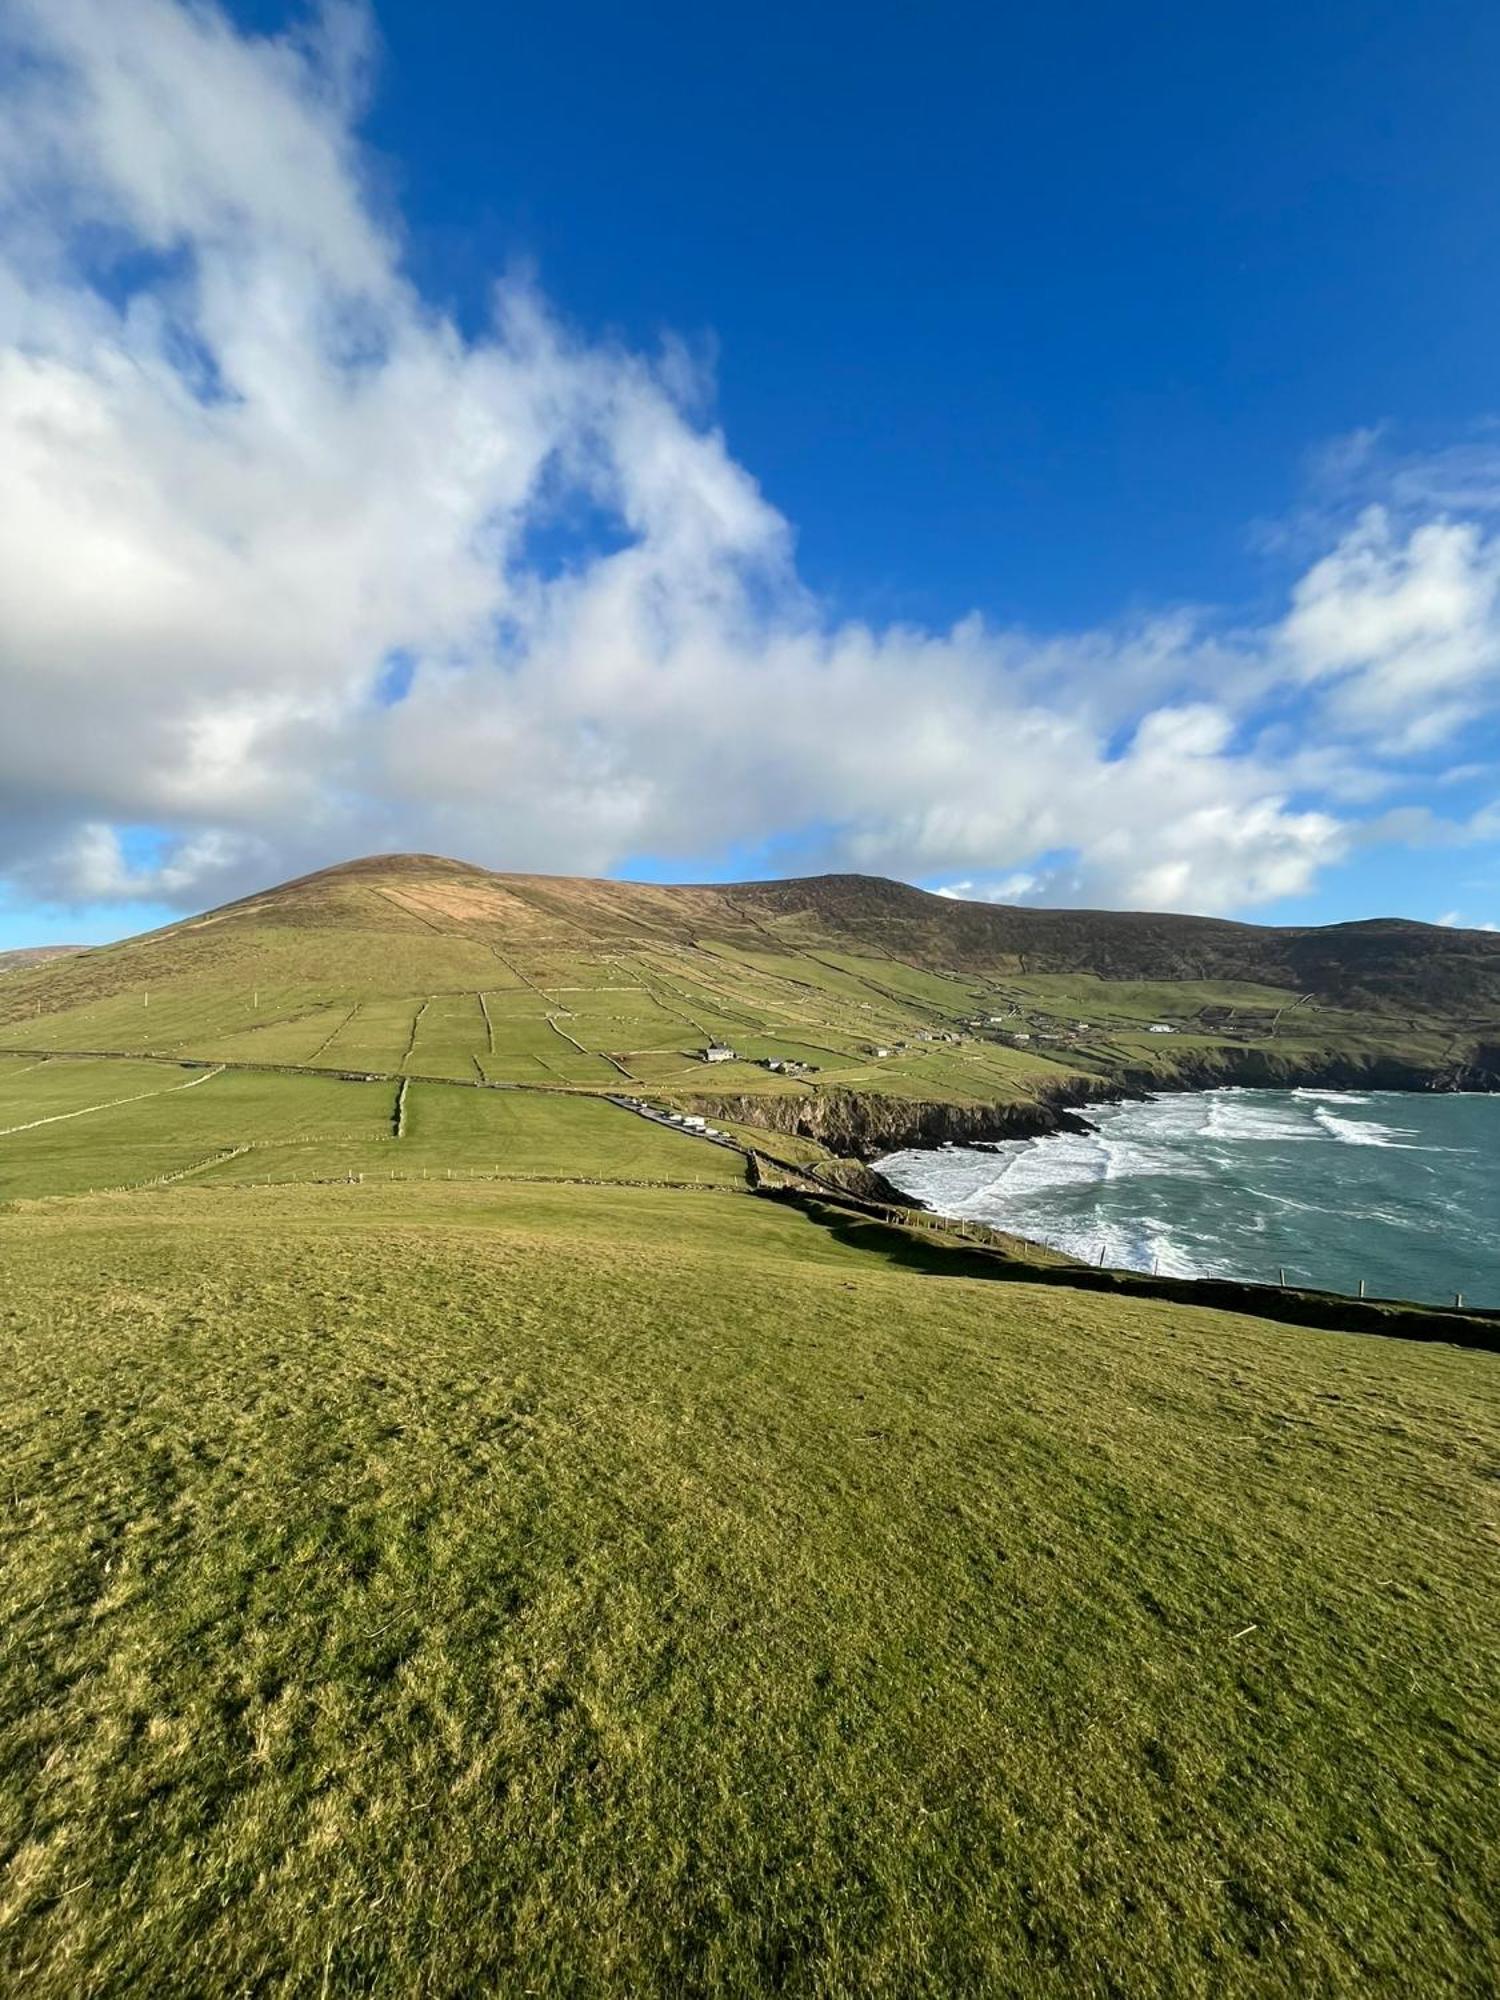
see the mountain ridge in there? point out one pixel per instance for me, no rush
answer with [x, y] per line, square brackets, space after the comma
[1392, 964]
[853, 1011]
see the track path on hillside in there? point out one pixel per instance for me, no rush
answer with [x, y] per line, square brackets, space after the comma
[87, 1110]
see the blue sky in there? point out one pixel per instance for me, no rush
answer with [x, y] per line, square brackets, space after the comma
[1040, 453]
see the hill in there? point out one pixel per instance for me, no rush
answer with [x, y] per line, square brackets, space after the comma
[464, 1534]
[35, 954]
[1391, 963]
[861, 1012]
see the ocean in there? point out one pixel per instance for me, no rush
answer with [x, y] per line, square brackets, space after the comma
[1402, 1190]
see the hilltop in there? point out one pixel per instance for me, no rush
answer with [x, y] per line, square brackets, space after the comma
[35, 954]
[1391, 963]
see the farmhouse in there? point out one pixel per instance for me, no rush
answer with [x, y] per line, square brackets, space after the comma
[716, 1052]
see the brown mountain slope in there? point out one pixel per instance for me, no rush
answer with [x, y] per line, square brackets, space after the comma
[360, 922]
[1388, 962]
[35, 954]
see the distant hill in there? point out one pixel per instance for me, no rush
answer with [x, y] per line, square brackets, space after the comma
[848, 998]
[35, 954]
[1389, 963]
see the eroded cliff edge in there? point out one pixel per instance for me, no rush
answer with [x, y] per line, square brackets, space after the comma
[865, 1125]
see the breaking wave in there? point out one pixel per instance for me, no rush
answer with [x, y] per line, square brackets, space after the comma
[1319, 1184]
[1362, 1131]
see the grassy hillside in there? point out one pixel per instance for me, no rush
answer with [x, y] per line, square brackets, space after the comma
[836, 988]
[457, 1537]
[603, 1591]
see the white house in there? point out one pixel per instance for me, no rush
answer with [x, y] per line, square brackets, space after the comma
[1161, 1028]
[716, 1052]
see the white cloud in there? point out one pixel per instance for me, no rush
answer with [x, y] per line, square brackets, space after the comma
[1009, 889]
[1406, 627]
[233, 488]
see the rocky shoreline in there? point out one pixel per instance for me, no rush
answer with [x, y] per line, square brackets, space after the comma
[862, 1125]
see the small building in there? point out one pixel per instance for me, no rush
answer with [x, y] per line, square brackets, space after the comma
[1161, 1028]
[882, 1052]
[716, 1052]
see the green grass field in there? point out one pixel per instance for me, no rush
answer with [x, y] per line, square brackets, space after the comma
[443, 975]
[575, 1590]
[460, 1539]
[74, 1127]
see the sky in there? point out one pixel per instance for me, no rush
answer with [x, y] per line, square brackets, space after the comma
[1047, 455]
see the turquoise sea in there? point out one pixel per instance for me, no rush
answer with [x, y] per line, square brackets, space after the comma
[1330, 1186]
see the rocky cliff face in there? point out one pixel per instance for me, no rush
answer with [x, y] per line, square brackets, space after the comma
[864, 1125]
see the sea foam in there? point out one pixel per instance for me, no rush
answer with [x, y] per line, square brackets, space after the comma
[1364, 1131]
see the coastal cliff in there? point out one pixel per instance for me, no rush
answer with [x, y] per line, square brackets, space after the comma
[866, 1125]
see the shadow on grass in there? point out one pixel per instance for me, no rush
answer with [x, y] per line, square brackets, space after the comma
[913, 1247]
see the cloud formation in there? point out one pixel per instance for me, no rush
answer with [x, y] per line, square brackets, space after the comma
[277, 542]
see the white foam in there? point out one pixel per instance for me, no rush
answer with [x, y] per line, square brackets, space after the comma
[1164, 1255]
[1363, 1131]
[1233, 1119]
[1200, 1184]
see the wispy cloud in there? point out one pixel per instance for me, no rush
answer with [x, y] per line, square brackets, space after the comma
[244, 464]
[1013, 888]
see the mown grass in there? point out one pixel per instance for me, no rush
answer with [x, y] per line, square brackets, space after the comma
[172, 1120]
[589, 1590]
[464, 1133]
[377, 1036]
[449, 1032]
[117, 1124]
[52, 1088]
